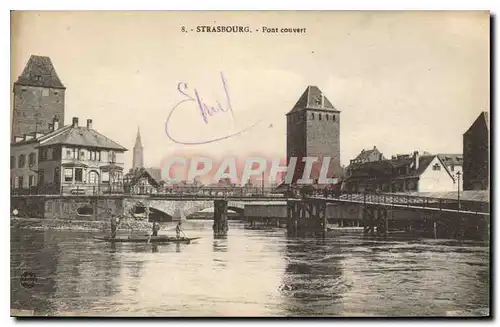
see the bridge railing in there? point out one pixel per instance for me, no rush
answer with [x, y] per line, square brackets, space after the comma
[414, 201]
[204, 192]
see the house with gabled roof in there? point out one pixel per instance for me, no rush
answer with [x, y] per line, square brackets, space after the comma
[455, 163]
[140, 181]
[409, 173]
[71, 159]
[368, 156]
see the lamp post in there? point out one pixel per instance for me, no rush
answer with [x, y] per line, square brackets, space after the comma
[458, 189]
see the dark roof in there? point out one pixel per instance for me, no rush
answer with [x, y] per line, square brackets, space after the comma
[44, 136]
[135, 174]
[392, 168]
[452, 159]
[39, 71]
[365, 154]
[482, 119]
[313, 98]
[80, 136]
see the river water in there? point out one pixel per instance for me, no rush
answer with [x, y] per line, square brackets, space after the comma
[251, 273]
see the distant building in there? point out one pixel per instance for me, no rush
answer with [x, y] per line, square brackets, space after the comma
[38, 98]
[368, 156]
[138, 155]
[401, 174]
[476, 142]
[71, 159]
[155, 173]
[455, 163]
[140, 181]
[313, 130]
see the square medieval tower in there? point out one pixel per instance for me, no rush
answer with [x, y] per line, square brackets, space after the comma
[38, 98]
[313, 130]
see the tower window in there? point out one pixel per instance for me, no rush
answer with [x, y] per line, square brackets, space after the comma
[326, 116]
[312, 116]
[333, 117]
[319, 116]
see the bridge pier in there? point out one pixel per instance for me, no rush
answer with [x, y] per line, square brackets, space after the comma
[306, 216]
[375, 220]
[220, 226]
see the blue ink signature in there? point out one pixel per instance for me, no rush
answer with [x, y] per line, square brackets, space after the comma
[204, 110]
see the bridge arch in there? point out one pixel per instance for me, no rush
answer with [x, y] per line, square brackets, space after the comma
[172, 210]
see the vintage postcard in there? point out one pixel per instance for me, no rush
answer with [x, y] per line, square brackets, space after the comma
[250, 164]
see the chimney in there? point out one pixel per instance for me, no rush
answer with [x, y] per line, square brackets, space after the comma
[55, 124]
[89, 123]
[51, 127]
[380, 157]
[416, 160]
[75, 122]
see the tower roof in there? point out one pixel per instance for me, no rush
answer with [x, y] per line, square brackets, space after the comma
[313, 98]
[39, 71]
[481, 119]
[138, 143]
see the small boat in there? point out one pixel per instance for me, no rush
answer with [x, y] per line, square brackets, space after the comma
[259, 227]
[146, 239]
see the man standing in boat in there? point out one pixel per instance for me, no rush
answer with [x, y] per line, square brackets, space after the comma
[114, 226]
[178, 230]
[156, 228]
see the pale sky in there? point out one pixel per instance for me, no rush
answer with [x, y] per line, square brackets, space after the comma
[403, 81]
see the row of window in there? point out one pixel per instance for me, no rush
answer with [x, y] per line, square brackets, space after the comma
[46, 154]
[320, 116]
[21, 160]
[92, 155]
[19, 182]
[45, 91]
[69, 175]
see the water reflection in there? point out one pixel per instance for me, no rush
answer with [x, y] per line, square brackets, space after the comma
[312, 283]
[258, 273]
[219, 245]
[38, 254]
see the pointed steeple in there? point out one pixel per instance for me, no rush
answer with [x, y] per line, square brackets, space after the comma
[138, 143]
[138, 158]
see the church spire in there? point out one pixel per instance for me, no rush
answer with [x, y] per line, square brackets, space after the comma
[138, 143]
[138, 158]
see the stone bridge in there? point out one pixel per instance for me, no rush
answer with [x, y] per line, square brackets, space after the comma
[174, 208]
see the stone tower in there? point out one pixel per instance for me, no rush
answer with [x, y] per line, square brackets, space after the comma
[38, 98]
[313, 130]
[138, 159]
